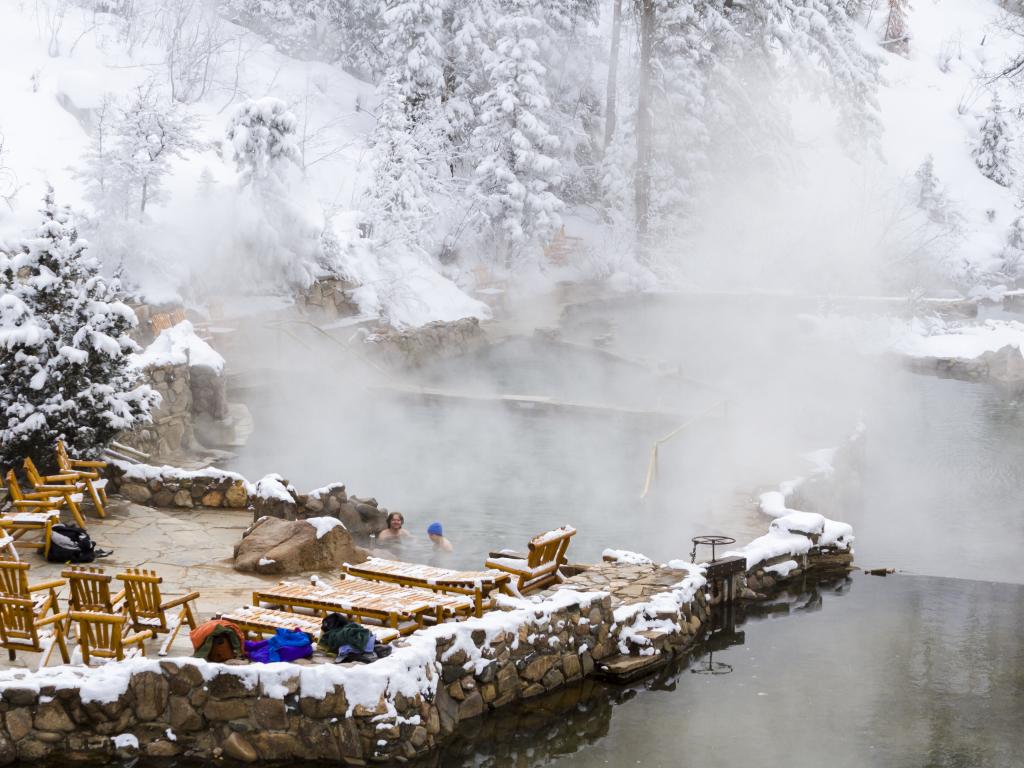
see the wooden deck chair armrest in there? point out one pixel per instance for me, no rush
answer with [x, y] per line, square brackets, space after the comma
[511, 554]
[63, 477]
[117, 598]
[83, 463]
[137, 637]
[37, 503]
[176, 601]
[52, 619]
[52, 584]
[509, 569]
[41, 491]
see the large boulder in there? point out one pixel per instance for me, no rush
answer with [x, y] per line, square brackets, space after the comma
[275, 546]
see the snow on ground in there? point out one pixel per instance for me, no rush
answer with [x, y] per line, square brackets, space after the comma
[918, 337]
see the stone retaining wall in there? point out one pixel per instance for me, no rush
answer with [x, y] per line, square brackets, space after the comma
[276, 497]
[332, 296]
[170, 432]
[415, 347]
[173, 487]
[353, 715]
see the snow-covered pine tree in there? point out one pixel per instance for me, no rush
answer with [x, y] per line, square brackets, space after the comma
[896, 37]
[399, 199]
[992, 155]
[930, 197]
[413, 39]
[1013, 252]
[517, 167]
[64, 348]
[276, 230]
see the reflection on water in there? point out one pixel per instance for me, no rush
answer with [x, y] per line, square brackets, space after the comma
[903, 671]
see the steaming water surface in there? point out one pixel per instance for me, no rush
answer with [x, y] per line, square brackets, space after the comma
[898, 672]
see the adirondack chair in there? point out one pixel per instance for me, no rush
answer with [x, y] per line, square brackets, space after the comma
[160, 322]
[14, 583]
[540, 566]
[148, 610]
[23, 628]
[90, 591]
[88, 473]
[64, 485]
[103, 636]
[29, 514]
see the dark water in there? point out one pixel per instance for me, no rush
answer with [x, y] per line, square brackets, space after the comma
[896, 672]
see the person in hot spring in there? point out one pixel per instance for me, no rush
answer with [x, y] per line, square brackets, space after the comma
[395, 528]
[436, 534]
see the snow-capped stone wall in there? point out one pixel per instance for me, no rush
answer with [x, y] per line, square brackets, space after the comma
[276, 497]
[170, 432]
[332, 296]
[173, 487]
[415, 347]
[397, 708]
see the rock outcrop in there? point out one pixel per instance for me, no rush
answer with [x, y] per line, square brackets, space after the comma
[271, 545]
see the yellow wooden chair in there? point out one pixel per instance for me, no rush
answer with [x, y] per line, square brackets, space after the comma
[539, 568]
[90, 590]
[14, 583]
[102, 636]
[88, 474]
[148, 610]
[29, 514]
[23, 628]
[63, 486]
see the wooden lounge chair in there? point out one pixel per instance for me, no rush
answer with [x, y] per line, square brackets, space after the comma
[14, 583]
[89, 475]
[254, 620]
[63, 486]
[28, 514]
[478, 584]
[23, 628]
[102, 635]
[540, 566]
[401, 608]
[148, 610]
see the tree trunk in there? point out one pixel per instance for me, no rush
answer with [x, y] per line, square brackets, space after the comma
[642, 188]
[613, 72]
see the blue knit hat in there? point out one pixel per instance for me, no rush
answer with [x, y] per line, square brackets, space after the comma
[434, 529]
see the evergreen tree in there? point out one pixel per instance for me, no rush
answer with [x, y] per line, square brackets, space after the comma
[413, 38]
[992, 155]
[897, 38]
[399, 199]
[277, 233]
[517, 167]
[1013, 251]
[64, 346]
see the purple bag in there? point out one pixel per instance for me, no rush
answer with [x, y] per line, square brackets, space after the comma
[285, 645]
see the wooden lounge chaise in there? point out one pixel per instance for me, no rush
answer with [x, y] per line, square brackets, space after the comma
[88, 475]
[29, 514]
[148, 609]
[480, 585]
[539, 568]
[254, 620]
[401, 608]
[63, 486]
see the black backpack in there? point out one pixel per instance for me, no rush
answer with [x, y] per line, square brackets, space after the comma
[70, 544]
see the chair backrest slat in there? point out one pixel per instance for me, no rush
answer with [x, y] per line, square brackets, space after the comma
[14, 578]
[90, 589]
[142, 594]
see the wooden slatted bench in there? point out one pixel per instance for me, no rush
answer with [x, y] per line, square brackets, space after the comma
[400, 608]
[255, 620]
[478, 584]
[540, 566]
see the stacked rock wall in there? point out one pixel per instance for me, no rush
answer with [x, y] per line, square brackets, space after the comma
[276, 497]
[395, 709]
[209, 392]
[332, 296]
[172, 487]
[170, 432]
[416, 347]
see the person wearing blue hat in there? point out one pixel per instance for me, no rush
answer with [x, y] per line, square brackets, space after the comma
[436, 534]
